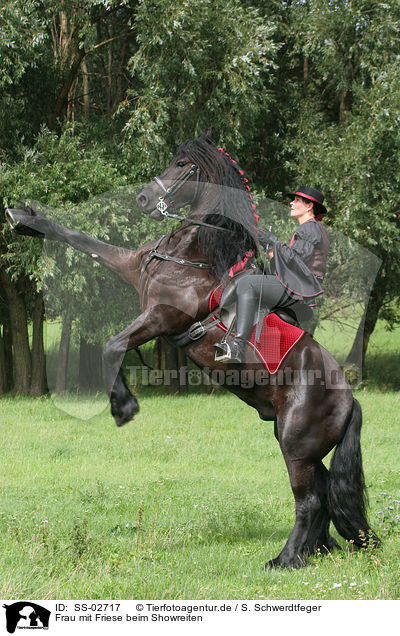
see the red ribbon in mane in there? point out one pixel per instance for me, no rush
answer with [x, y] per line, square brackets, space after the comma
[241, 264]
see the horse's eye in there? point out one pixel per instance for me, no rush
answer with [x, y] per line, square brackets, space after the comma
[180, 164]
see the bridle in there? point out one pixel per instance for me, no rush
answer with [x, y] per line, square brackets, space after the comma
[167, 200]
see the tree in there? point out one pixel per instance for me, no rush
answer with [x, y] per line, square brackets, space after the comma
[52, 52]
[197, 64]
[64, 172]
[346, 135]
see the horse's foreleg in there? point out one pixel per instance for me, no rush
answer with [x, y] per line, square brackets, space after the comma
[155, 321]
[118, 259]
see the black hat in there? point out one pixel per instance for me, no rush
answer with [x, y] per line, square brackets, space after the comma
[314, 195]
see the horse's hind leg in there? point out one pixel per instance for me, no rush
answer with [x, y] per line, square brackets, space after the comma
[318, 537]
[308, 507]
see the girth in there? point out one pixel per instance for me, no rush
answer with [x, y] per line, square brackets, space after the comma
[173, 259]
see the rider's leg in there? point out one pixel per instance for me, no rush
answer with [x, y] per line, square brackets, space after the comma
[251, 291]
[246, 306]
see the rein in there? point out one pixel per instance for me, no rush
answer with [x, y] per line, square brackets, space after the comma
[166, 257]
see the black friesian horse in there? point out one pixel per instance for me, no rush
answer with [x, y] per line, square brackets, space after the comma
[174, 277]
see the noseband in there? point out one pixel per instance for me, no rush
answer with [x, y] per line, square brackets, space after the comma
[166, 200]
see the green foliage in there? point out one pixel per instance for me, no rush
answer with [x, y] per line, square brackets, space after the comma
[346, 137]
[65, 176]
[21, 34]
[198, 63]
[59, 170]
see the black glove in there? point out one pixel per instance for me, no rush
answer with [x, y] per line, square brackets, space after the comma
[266, 238]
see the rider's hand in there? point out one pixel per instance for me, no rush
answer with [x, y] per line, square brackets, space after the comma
[266, 238]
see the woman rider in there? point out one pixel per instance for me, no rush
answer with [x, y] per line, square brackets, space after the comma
[297, 273]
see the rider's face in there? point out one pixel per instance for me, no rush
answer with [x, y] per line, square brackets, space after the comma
[301, 209]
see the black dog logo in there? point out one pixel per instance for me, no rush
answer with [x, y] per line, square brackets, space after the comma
[26, 615]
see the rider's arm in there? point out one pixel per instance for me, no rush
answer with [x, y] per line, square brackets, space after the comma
[306, 238]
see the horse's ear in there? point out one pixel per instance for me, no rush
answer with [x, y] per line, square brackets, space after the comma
[209, 136]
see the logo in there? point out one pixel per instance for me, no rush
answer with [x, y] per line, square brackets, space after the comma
[26, 615]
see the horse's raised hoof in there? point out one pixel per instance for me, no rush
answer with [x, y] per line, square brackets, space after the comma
[124, 413]
[18, 220]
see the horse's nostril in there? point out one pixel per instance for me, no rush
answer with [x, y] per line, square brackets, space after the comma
[142, 200]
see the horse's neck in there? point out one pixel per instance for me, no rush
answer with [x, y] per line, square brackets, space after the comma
[184, 239]
[206, 203]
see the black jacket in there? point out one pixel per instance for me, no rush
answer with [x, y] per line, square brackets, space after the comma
[300, 266]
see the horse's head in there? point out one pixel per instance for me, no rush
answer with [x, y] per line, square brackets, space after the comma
[196, 164]
[177, 186]
[211, 182]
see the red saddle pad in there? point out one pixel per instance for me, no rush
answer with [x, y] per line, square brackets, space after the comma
[276, 340]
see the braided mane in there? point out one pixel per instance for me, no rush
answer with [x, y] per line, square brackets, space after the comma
[233, 209]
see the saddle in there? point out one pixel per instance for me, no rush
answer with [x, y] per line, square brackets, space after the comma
[274, 333]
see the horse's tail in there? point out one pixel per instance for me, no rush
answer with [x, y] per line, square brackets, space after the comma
[346, 491]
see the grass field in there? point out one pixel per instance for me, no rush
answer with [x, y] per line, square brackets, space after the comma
[187, 502]
[179, 504]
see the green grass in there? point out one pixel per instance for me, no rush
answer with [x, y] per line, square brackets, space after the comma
[188, 501]
[381, 370]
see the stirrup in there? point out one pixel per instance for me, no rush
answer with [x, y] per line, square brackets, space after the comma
[228, 353]
[225, 352]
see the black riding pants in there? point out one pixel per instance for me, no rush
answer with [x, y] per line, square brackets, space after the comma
[273, 294]
[251, 291]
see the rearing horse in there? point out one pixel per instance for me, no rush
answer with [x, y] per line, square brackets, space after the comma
[174, 277]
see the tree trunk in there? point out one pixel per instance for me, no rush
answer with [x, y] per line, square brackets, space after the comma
[120, 74]
[19, 333]
[85, 86]
[3, 377]
[6, 355]
[109, 75]
[345, 105]
[90, 366]
[367, 324]
[38, 374]
[62, 99]
[63, 355]
[305, 75]
[169, 360]
[169, 364]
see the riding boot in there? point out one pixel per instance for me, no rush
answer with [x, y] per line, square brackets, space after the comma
[235, 351]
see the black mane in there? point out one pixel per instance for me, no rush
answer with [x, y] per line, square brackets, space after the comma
[233, 209]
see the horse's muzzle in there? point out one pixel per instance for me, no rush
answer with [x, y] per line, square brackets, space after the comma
[142, 200]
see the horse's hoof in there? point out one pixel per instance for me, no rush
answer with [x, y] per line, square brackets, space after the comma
[280, 562]
[272, 564]
[330, 545]
[16, 218]
[124, 414]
